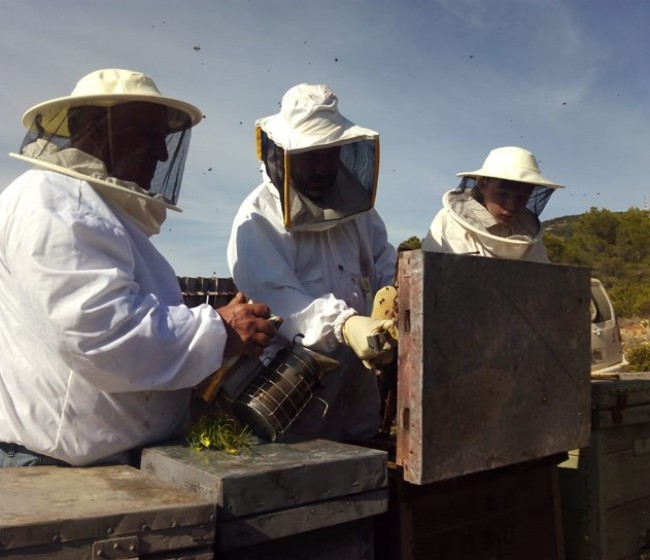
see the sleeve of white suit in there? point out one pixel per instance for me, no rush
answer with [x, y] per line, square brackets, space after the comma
[76, 271]
[262, 263]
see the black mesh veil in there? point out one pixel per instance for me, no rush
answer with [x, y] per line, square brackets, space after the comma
[273, 157]
[54, 142]
[536, 202]
[169, 174]
[352, 193]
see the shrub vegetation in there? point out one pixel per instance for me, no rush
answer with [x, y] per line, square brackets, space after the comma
[638, 357]
[615, 245]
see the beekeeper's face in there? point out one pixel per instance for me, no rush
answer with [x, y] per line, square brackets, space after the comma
[504, 199]
[138, 134]
[315, 171]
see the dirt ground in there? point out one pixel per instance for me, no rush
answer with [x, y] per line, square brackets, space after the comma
[634, 332]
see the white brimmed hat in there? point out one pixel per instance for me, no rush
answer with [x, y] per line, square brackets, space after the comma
[105, 88]
[309, 118]
[513, 164]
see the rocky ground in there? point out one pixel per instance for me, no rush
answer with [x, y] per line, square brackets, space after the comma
[634, 332]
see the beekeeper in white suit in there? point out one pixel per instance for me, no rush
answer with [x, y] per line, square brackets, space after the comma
[495, 210]
[98, 354]
[308, 242]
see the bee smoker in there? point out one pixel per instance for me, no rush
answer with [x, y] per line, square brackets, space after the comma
[281, 390]
[268, 397]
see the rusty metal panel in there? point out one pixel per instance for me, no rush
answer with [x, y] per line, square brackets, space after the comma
[115, 512]
[493, 364]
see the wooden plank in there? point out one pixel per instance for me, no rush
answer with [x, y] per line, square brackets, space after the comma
[245, 532]
[628, 527]
[625, 415]
[187, 555]
[490, 351]
[83, 550]
[577, 538]
[63, 510]
[409, 389]
[574, 484]
[349, 541]
[634, 386]
[622, 401]
[623, 438]
[606, 493]
[273, 476]
[216, 292]
[511, 512]
[625, 477]
[525, 534]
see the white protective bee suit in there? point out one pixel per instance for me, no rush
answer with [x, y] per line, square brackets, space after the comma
[465, 226]
[316, 275]
[98, 353]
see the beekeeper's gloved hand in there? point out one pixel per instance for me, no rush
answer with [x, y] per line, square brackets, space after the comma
[369, 339]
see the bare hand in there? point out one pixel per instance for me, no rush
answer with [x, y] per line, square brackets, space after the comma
[248, 326]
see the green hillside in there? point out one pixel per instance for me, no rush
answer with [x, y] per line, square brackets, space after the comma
[615, 245]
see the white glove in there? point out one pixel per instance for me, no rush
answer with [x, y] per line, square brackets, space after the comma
[356, 331]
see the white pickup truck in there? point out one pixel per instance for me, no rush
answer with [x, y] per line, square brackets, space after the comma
[606, 346]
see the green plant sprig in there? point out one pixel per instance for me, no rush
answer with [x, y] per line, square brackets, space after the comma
[219, 432]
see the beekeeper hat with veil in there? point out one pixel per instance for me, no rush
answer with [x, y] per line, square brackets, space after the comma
[514, 165]
[309, 123]
[78, 135]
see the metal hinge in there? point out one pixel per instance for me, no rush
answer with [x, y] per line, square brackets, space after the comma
[120, 548]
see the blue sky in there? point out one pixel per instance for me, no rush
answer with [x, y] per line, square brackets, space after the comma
[443, 81]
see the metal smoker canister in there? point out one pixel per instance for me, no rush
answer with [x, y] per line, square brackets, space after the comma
[281, 390]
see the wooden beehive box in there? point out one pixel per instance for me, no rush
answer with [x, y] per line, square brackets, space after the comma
[101, 513]
[214, 291]
[605, 487]
[493, 364]
[302, 499]
[511, 512]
